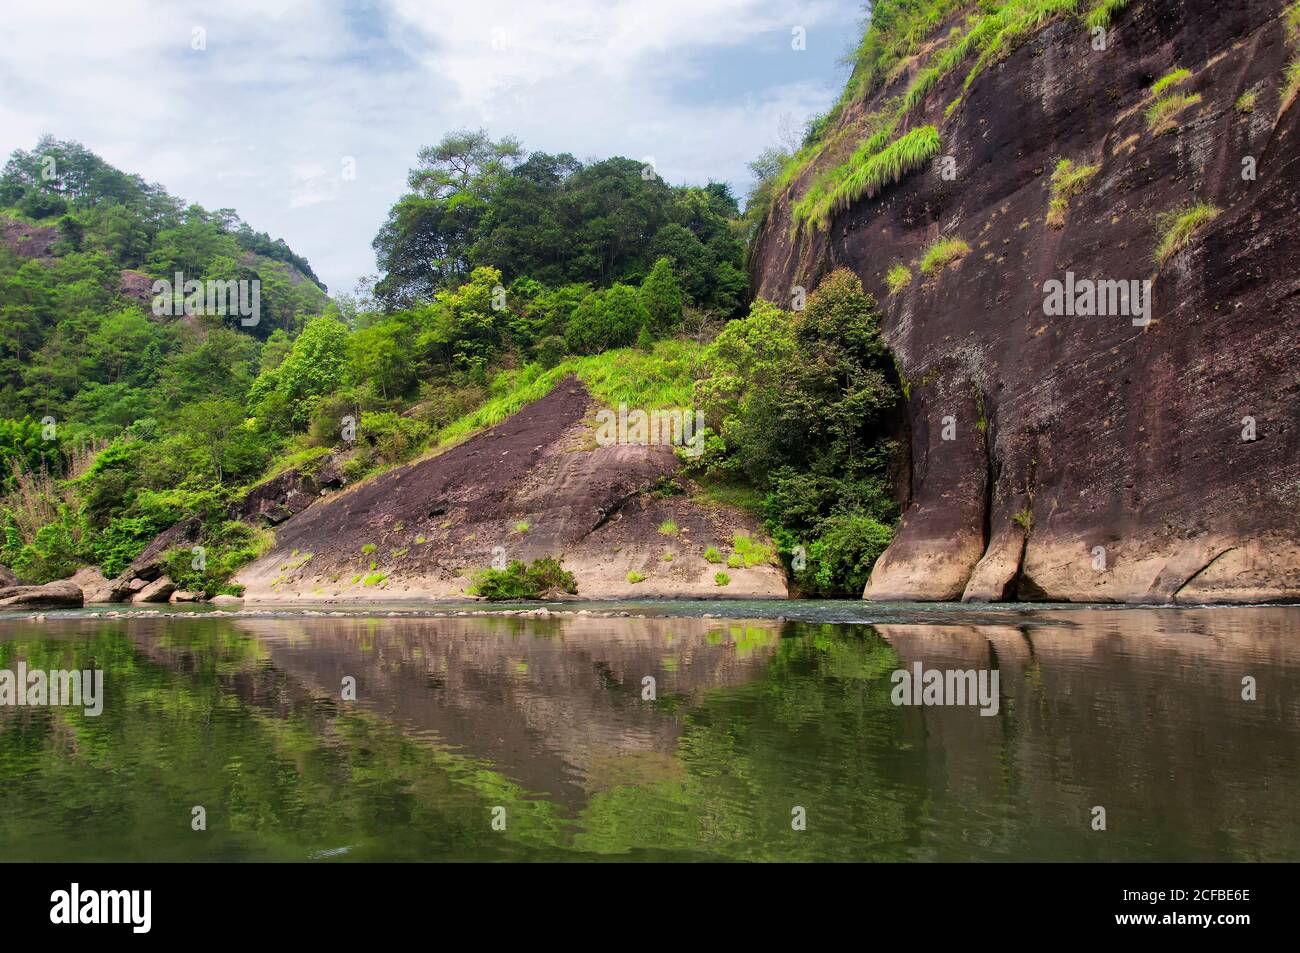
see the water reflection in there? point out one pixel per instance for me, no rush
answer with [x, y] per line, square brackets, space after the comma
[1139, 711]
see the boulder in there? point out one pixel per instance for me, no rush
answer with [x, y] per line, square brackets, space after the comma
[289, 493]
[137, 285]
[7, 578]
[183, 595]
[224, 600]
[148, 565]
[157, 591]
[94, 585]
[63, 594]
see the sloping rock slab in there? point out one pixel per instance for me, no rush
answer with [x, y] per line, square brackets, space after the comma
[63, 594]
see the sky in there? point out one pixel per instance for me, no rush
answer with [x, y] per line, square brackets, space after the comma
[305, 115]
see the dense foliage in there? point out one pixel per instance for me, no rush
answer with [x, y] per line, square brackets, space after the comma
[519, 581]
[475, 202]
[800, 405]
[116, 423]
[503, 274]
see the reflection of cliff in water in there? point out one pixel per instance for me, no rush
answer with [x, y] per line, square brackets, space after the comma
[1137, 711]
[553, 704]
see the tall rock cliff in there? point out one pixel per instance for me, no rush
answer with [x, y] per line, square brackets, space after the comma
[1077, 456]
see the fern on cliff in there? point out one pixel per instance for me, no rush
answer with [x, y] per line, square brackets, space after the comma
[1160, 114]
[866, 174]
[897, 29]
[1171, 79]
[1291, 87]
[942, 253]
[1068, 180]
[1103, 13]
[1180, 226]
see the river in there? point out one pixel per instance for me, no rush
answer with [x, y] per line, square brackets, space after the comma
[657, 734]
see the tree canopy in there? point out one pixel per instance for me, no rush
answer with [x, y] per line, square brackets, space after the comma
[476, 202]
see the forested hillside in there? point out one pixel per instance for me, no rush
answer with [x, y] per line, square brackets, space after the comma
[503, 272]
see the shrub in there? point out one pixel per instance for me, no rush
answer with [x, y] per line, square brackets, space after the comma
[385, 439]
[374, 579]
[634, 577]
[662, 297]
[645, 340]
[803, 416]
[711, 555]
[665, 487]
[606, 320]
[522, 526]
[839, 561]
[226, 547]
[440, 404]
[1180, 226]
[520, 581]
[668, 528]
[1246, 102]
[721, 579]
[735, 561]
[53, 553]
[551, 350]
[942, 253]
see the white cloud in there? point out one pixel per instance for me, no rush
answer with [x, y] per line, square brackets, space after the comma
[262, 118]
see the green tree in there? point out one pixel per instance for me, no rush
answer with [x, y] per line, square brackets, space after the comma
[425, 244]
[316, 365]
[24, 449]
[215, 430]
[800, 404]
[662, 297]
[606, 320]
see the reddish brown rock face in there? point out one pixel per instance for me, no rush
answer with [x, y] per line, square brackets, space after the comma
[30, 241]
[535, 485]
[1092, 458]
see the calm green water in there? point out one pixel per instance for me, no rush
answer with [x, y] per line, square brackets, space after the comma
[1136, 710]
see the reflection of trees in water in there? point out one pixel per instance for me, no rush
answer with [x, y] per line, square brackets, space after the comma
[1139, 711]
[816, 731]
[277, 782]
